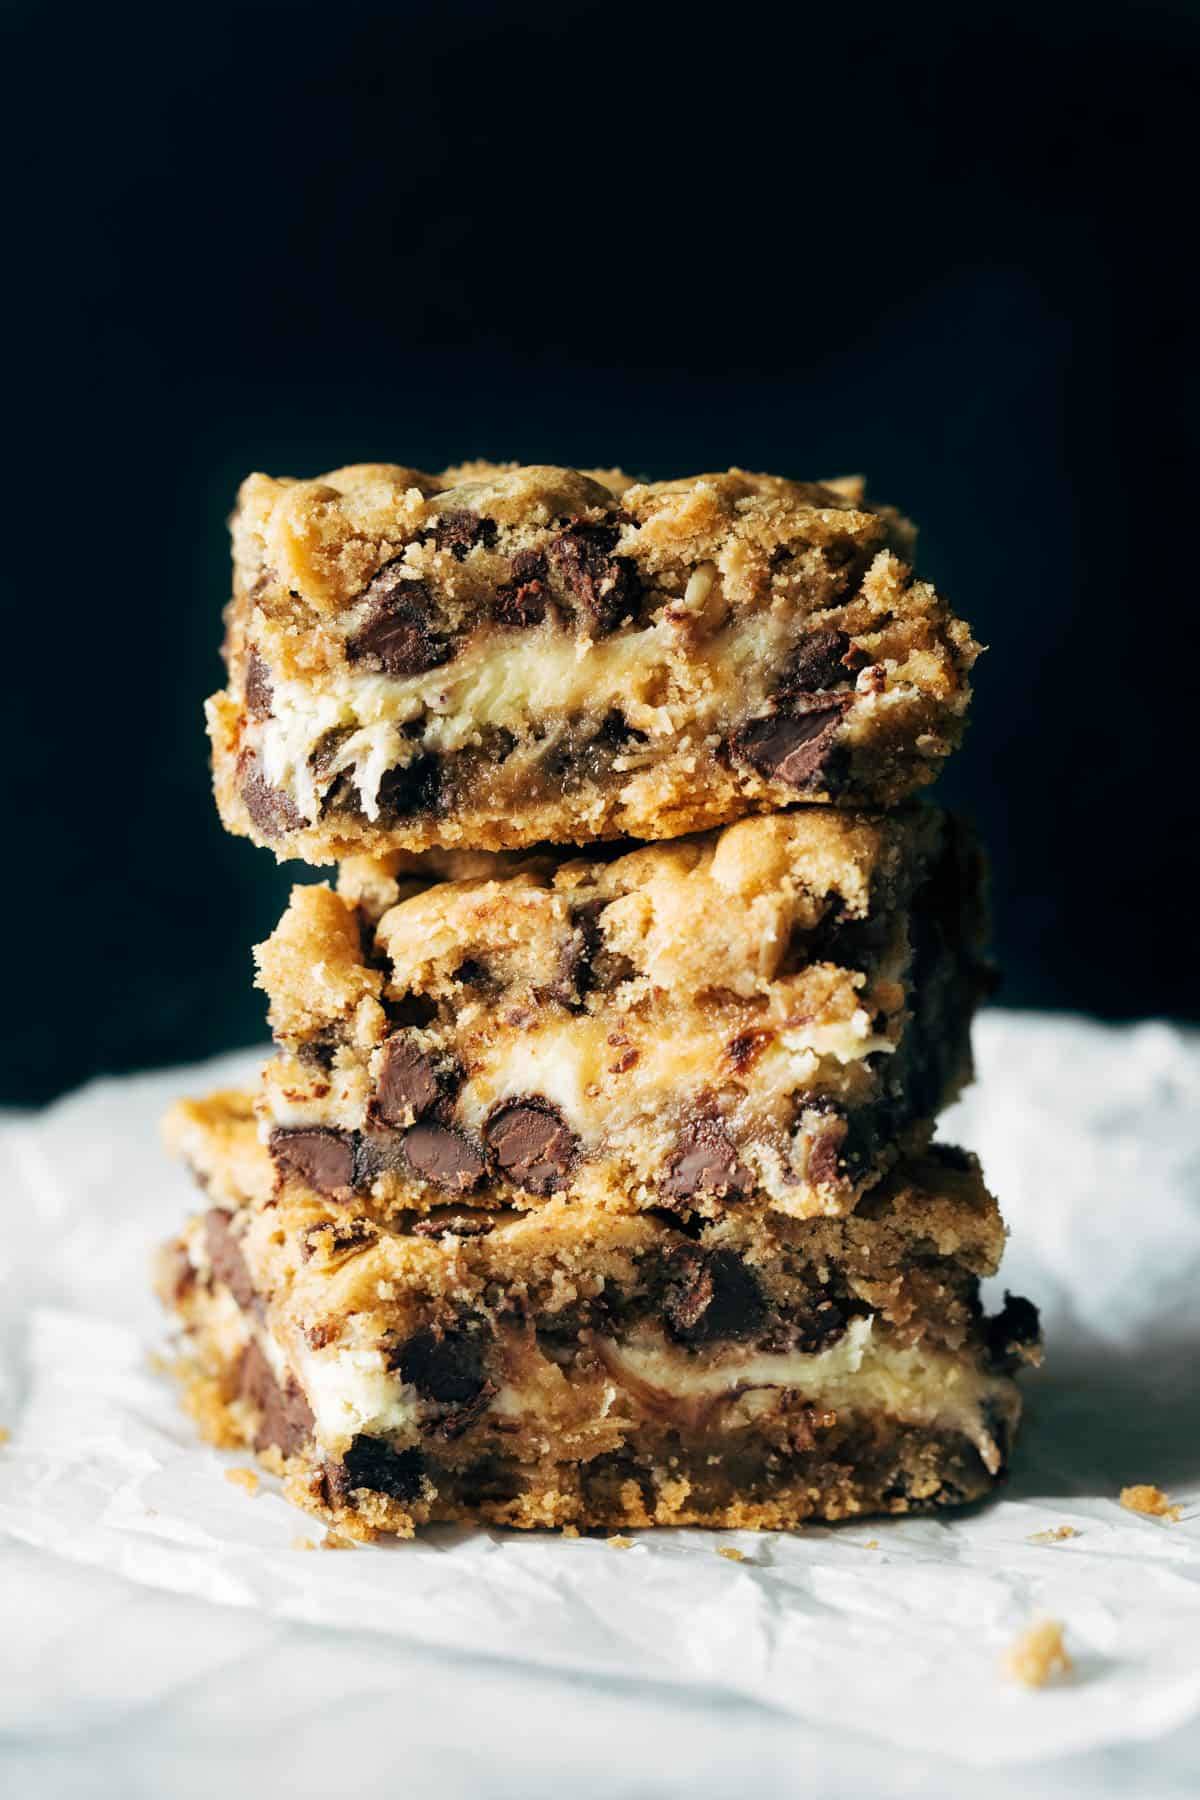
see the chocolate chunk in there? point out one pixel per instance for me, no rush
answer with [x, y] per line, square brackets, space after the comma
[407, 1085]
[465, 1225]
[808, 1329]
[817, 662]
[225, 1254]
[825, 1151]
[269, 807]
[397, 638]
[1014, 1335]
[522, 601]
[322, 1159]
[459, 530]
[286, 1420]
[712, 1294]
[792, 748]
[705, 1162]
[446, 1367]
[372, 1463]
[531, 1144]
[335, 1243]
[604, 586]
[443, 1156]
[257, 692]
[414, 787]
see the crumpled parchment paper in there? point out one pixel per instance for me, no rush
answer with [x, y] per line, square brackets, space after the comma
[886, 1634]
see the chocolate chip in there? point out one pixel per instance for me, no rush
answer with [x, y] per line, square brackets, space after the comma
[322, 1159]
[817, 662]
[531, 1144]
[408, 1085]
[269, 807]
[285, 1417]
[446, 1367]
[396, 637]
[522, 601]
[605, 586]
[705, 1162]
[413, 787]
[712, 1294]
[1015, 1331]
[257, 692]
[443, 1156]
[225, 1254]
[459, 530]
[372, 1463]
[467, 1225]
[825, 1151]
[792, 748]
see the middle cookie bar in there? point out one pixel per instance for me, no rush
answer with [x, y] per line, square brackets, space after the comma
[769, 1014]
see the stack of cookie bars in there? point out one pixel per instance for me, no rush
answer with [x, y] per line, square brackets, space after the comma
[591, 1184]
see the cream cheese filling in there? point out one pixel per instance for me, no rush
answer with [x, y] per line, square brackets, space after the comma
[507, 680]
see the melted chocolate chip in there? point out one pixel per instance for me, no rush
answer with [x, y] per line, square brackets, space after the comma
[446, 1367]
[322, 1159]
[408, 1085]
[372, 1463]
[225, 1255]
[817, 662]
[825, 1152]
[270, 809]
[396, 637]
[531, 1145]
[413, 788]
[459, 530]
[285, 1417]
[523, 600]
[712, 1294]
[443, 1156]
[705, 1162]
[792, 748]
[257, 691]
[604, 587]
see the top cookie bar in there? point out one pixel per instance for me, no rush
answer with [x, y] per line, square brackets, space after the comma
[499, 656]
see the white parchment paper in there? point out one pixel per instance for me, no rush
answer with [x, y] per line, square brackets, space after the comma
[483, 1662]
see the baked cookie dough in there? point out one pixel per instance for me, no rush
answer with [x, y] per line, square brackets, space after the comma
[579, 1366]
[494, 657]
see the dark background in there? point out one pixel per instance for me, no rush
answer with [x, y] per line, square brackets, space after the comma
[947, 248]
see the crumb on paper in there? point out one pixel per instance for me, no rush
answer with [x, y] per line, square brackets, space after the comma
[1053, 1534]
[619, 1543]
[1149, 1500]
[334, 1540]
[1038, 1655]
[5, 1435]
[243, 1478]
[159, 1364]
[871, 1544]
[730, 1554]
[303, 1543]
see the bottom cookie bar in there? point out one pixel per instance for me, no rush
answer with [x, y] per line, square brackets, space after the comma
[578, 1366]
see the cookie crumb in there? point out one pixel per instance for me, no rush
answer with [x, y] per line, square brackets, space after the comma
[570, 1531]
[1145, 1498]
[334, 1540]
[303, 1543]
[1038, 1655]
[243, 1478]
[730, 1554]
[5, 1435]
[1053, 1534]
[871, 1544]
[619, 1543]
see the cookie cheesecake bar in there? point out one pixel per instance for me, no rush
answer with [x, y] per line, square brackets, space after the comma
[498, 656]
[767, 1014]
[574, 1365]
